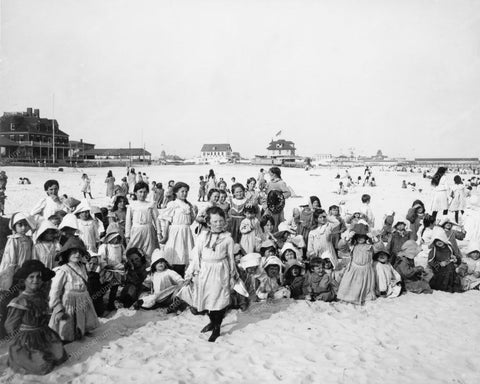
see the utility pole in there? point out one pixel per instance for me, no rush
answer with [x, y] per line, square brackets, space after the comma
[53, 127]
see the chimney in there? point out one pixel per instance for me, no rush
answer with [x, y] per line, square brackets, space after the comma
[36, 112]
[29, 111]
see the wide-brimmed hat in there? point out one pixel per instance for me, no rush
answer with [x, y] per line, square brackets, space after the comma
[272, 260]
[113, 230]
[69, 220]
[360, 229]
[267, 244]
[71, 203]
[445, 220]
[31, 266]
[45, 225]
[71, 244]
[409, 249]
[284, 227]
[157, 256]
[289, 246]
[472, 247]
[82, 207]
[380, 249]
[250, 260]
[19, 216]
[438, 233]
[293, 263]
[399, 223]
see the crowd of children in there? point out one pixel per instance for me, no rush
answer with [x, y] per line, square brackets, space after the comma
[66, 258]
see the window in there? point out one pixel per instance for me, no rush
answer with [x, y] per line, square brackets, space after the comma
[12, 126]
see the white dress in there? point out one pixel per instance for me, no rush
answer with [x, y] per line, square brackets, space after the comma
[19, 248]
[319, 241]
[459, 200]
[47, 207]
[386, 279]
[440, 196]
[140, 226]
[46, 252]
[213, 269]
[180, 215]
[163, 285]
[89, 232]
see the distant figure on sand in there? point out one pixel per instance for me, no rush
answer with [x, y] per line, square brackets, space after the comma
[86, 189]
[110, 181]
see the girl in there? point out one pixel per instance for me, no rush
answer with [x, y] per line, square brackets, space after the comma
[471, 280]
[18, 249]
[211, 180]
[399, 236]
[318, 285]
[294, 279]
[250, 229]
[35, 349]
[271, 286]
[459, 197]
[136, 273]
[358, 282]
[213, 267]
[320, 239]
[131, 180]
[251, 276]
[73, 312]
[443, 263]
[88, 228]
[119, 213]
[289, 252]
[169, 195]
[110, 181]
[266, 225]
[440, 193]
[50, 204]
[306, 217]
[415, 217]
[111, 254]
[165, 283]
[337, 230]
[237, 214]
[251, 194]
[223, 203]
[86, 189]
[413, 277]
[388, 280]
[179, 216]
[140, 222]
[46, 244]
[212, 198]
[68, 228]
[277, 184]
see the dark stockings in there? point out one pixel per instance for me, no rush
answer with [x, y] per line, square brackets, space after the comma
[216, 318]
[434, 213]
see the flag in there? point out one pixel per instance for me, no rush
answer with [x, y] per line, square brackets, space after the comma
[278, 133]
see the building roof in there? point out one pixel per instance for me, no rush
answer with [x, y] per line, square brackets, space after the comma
[4, 142]
[447, 159]
[216, 148]
[30, 124]
[75, 143]
[281, 145]
[122, 152]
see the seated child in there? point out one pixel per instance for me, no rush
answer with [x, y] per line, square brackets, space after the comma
[318, 285]
[399, 236]
[267, 249]
[164, 282]
[35, 349]
[471, 278]
[294, 279]
[290, 252]
[251, 273]
[387, 279]
[387, 229]
[46, 243]
[95, 287]
[413, 277]
[270, 283]
[335, 274]
[112, 262]
[136, 273]
[443, 263]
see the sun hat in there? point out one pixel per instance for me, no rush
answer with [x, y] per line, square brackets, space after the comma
[44, 226]
[69, 220]
[71, 244]
[31, 266]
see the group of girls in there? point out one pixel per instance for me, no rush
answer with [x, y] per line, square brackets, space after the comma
[65, 256]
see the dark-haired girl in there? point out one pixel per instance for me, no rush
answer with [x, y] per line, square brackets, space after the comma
[459, 197]
[110, 181]
[118, 213]
[213, 270]
[140, 222]
[440, 193]
[177, 234]
[250, 229]
[237, 206]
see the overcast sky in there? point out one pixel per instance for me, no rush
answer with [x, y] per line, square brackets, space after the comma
[402, 76]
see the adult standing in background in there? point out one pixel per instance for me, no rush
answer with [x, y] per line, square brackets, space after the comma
[131, 180]
[440, 192]
[277, 191]
[211, 181]
[110, 181]
[3, 180]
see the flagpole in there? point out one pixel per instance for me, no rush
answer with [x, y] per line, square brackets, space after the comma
[53, 127]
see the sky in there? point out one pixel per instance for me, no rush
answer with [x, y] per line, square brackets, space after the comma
[402, 76]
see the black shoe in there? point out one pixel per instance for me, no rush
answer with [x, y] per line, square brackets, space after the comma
[207, 328]
[215, 334]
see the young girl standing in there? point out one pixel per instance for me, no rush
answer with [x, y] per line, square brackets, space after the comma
[214, 270]
[320, 239]
[119, 213]
[178, 239]
[459, 197]
[440, 193]
[34, 348]
[46, 243]
[140, 222]
[110, 181]
[18, 249]
[213, 196]
[358, 282]
[237, 206]
[250, 230]
[73, 311]
[86, 188]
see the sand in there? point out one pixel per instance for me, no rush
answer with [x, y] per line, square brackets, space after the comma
[411, 339]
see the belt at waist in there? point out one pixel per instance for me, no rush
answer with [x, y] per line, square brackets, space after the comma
[27, 328]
